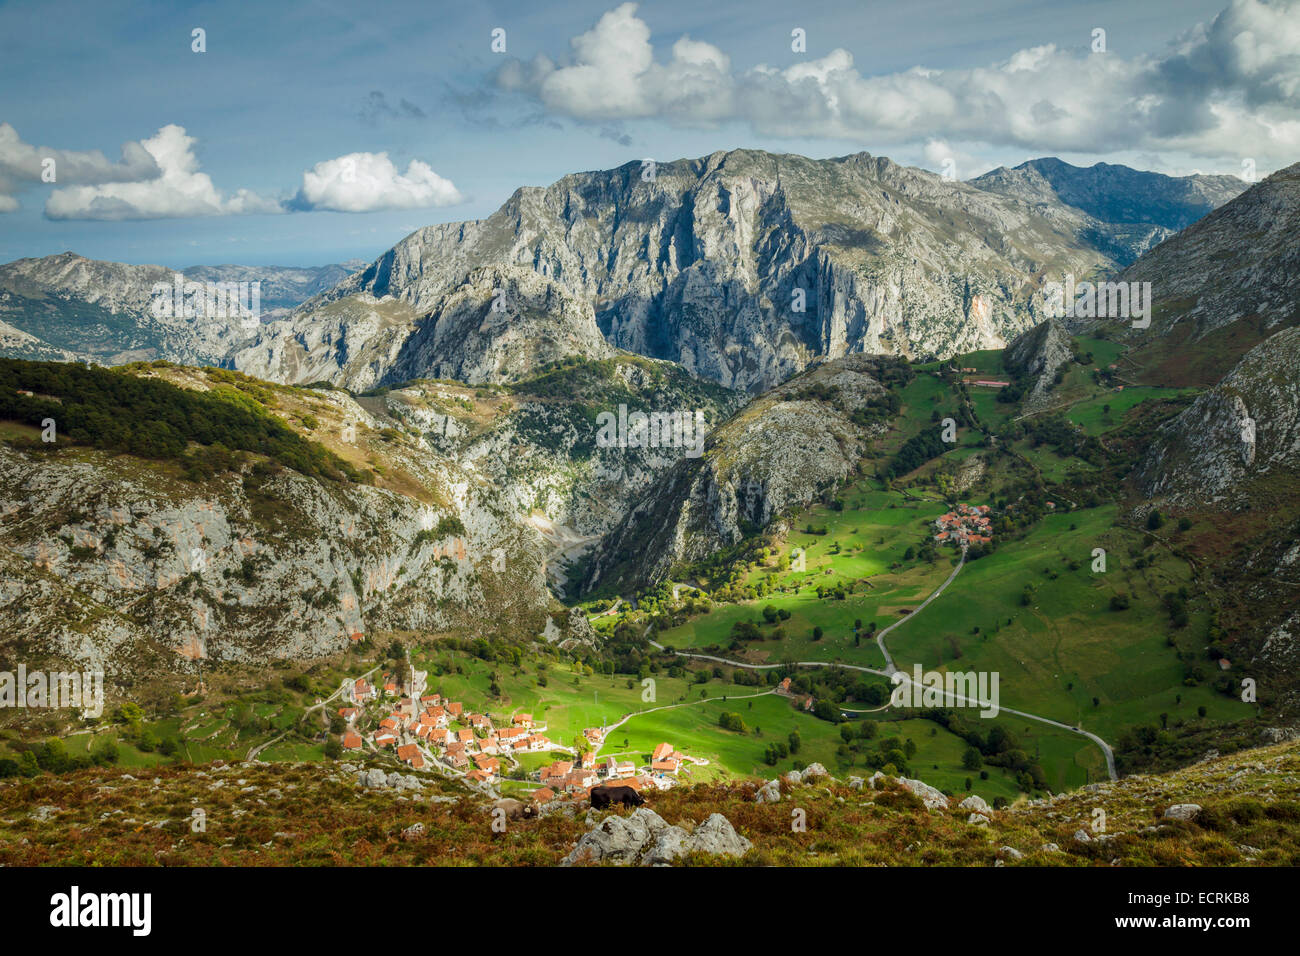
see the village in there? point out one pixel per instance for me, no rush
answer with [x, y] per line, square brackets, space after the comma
[964, 525]
[426, 731]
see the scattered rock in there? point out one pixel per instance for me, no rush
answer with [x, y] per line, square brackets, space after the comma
[931, 797]
[855, 783]
[770, 792]
[1183, 811]
[974, 803]
[1050, 848]
[1010, 853]
[413, 831]
[978, 819]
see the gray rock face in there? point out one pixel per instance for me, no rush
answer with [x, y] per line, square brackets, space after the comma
[743, 266]
[774, 456]
[1244, 430]
[1038, 353]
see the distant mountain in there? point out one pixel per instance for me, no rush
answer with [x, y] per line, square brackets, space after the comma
[1124, 211]
[283, 287]
[1221, 286]
[67, 307]
[743, 266]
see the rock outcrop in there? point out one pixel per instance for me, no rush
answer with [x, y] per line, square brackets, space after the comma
[646, 839]
[1037, 354]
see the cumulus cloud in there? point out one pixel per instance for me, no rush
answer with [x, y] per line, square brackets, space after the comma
[22, 163]
[612, 75]
[367, 182]
[1226, 89]
[160, 178]
[178, 190]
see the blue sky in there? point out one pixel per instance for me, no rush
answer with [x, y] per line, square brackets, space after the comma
[329, 88]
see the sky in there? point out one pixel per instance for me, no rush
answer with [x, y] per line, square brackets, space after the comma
[317, 132]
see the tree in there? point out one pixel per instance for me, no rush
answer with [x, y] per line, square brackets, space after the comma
[1155, 520]
[333, 749]
[971, 759]
[795, 741]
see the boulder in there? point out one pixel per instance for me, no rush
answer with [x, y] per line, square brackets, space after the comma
[717, 837]
[931, 797]
[978, 819]
[1183, 811]
[1010, 853]
[617, 839]
[814, 771]
[769, 792]
[855, 783]
[975, 804]
[413, 831]
[644, 837]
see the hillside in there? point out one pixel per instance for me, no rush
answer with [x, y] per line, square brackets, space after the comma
[1220, 287]
[69, 308]
[1124, 211]
[1240, 810]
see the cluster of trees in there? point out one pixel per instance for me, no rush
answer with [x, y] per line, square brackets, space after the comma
[998, 747]
[116, 411]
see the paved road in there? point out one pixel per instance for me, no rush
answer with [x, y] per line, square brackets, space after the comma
[258, 748]
[880, 635]
[894, 673]
[686, 703]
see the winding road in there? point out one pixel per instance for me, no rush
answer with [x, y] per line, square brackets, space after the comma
[891, 671]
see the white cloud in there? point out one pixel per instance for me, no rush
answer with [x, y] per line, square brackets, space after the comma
[22, 163]
[612, 75]
[179, 190]
[366, 182]
[1227, 89]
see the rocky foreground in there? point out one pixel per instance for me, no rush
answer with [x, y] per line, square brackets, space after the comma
[1237, 810]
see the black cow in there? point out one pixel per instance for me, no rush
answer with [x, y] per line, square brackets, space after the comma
[603, 796]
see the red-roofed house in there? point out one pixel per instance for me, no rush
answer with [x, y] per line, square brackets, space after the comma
[352, 740]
